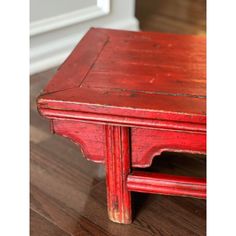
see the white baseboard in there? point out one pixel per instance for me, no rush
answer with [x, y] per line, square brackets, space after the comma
[52, 53]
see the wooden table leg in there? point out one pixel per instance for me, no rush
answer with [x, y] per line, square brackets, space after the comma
[117, 170]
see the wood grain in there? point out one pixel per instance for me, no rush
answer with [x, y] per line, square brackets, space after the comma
[84, 210]
[125, 98]
[44, 227]
[148, 143]
[180, 16]
[122, 82]
[155, 215]
[141, 181]
[78, 63]
[90, 137]
[117, 170]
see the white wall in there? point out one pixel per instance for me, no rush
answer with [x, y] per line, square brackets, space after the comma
[56, 26]
[42, 9]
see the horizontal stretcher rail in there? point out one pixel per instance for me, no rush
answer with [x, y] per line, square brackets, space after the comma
[140, 181]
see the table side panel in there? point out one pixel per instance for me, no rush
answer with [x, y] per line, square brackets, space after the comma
[90, 137]
[148, 143]
[145, 142]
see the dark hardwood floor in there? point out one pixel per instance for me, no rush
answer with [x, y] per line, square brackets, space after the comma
[179, 16]
[68, 193]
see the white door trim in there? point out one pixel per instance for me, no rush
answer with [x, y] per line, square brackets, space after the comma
[101, 8]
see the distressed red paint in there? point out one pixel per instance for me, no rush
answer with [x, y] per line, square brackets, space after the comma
[125, 97]
[167, 184]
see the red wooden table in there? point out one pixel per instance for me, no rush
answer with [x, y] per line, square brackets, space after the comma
[125, 97]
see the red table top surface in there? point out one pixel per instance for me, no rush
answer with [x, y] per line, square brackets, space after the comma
[132, 74]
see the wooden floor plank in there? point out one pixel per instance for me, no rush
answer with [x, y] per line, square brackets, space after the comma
[161, 215]
[179, 16]
[59, 211]
[41, 227]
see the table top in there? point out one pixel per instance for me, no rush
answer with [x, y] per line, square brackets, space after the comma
[131, 76]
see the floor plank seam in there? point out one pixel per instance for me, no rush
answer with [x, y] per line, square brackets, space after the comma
[49, 220]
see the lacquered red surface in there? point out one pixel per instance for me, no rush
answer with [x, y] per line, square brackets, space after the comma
[148, 143]
[90, 137]
[125, 97]
[167, 184]
[132, 74]
[117, 169]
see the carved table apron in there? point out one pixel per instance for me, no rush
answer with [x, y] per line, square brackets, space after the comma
[125, 97]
